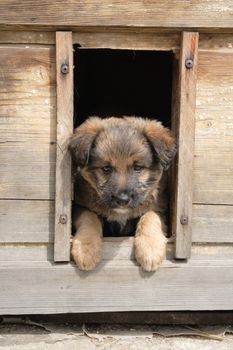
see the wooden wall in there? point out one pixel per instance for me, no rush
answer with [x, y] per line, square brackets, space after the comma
[213, 170]
[30, 282]
[28, 129]
[27, 141]
[167, 14]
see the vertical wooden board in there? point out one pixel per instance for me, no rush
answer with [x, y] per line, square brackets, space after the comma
[185, 129]
[64, 56]
[174, 127]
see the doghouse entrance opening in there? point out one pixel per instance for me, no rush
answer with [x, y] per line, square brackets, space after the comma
[122, 82]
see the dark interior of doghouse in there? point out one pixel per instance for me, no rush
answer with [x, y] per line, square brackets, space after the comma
[122, 82]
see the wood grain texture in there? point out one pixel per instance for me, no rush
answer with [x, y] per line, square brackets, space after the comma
[27, 122]
[97, 39]
[64, 55]
[217, 42]
[26, 221]
[213, 167]
[204, 283]
[130, 41]
[162, 14]
[212, 223]
[185, 130]
[27, 37]
[115, 250]
[12, 253]
[33, 222]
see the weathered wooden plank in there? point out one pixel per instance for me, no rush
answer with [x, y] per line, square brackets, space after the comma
[213, 168]
[173, 175]
[27, 121]
[131, 41]
[26, 37]
[46, 288]
[162, 14]
[26, 221]
[215, 42]
[33, 253]
[185, 129]
[96, 39]
[115, 250]
[64, 56]
[213, 174]
[212, 223]
[27, 170]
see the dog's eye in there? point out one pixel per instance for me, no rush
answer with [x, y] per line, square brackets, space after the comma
[107, 169]
[137, 167]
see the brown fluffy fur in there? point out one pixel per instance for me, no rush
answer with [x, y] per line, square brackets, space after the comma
[118, 167]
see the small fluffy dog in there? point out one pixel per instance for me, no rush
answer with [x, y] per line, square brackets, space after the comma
[119, 163]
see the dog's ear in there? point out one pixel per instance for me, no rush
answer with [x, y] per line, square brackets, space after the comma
[83, 139]
[159, 137]
[162, 142]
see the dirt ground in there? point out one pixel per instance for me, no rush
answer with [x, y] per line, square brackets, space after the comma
[29, 335]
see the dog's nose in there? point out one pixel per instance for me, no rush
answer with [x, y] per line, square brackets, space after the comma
[122, 198]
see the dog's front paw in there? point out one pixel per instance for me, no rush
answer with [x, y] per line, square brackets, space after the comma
[150, 251]
[86, 254]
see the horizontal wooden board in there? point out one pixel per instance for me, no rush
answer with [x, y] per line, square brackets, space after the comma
[162, 14]
[113, 250]
[95, 39]
[27, 170]
[26, 37]
[212, 223]
[213, 169]
[120, 39]
[216, 42]
[130, 41]
[39, 288]
[26, 221]
[27, 121]
[37, 252]
[213, 175]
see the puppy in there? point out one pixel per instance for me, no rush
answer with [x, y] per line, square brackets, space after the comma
[118, 168]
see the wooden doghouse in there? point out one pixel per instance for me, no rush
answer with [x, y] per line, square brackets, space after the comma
[38, 42]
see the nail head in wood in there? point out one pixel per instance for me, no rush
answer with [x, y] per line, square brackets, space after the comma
[189, 63]
[64, 68]
[184, 220]
[63, 219]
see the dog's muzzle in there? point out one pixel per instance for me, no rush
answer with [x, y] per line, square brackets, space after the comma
[121, 199]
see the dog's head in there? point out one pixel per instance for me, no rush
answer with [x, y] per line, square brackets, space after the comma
[122, 158]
